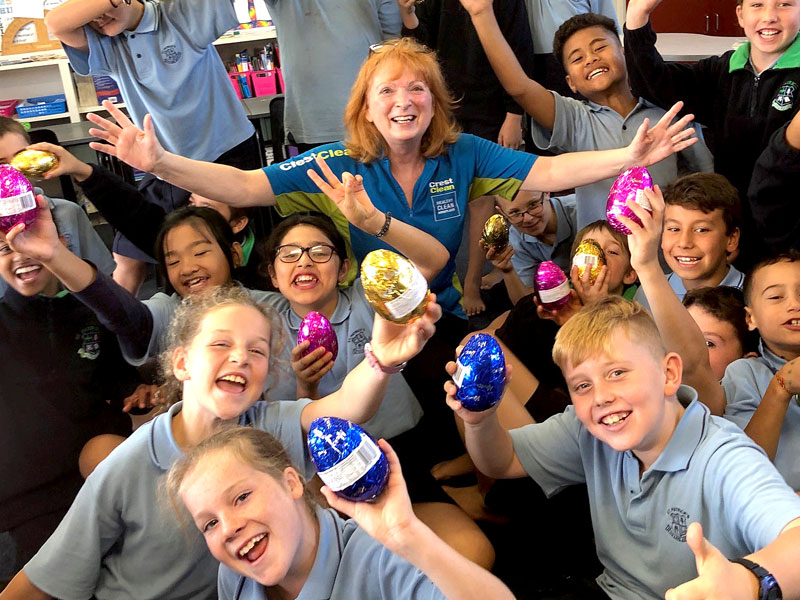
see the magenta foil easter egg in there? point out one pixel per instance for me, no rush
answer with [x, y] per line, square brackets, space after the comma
[551, 285]
[319, 332]
[628, 186]
[17, 200]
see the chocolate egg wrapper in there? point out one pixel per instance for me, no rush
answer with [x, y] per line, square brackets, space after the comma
[394, 286]
[17, 199]
[480, 373]
[495, 233]
[319, 332]
[589, 255]
[34, 163]
[551, 285]
[348, 460]
[628, 186]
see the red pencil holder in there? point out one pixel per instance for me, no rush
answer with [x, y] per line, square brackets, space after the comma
[237, 86]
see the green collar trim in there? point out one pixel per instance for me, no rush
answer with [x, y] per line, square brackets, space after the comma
[790, 59]
[247, 245]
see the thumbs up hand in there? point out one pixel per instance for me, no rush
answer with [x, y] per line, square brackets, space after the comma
[717, 577]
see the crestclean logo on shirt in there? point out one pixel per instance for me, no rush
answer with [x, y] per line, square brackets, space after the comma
[443, 197]
[288, 165]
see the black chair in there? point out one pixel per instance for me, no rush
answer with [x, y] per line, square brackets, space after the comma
[277, 132]
[47, 135]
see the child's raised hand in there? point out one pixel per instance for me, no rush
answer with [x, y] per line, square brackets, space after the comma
[501, 260]
[788, 377]
[475, 7]
[638, 12]
[586, 290]
[139, 148]
[645, 239]
[717, 577]
[39, 240]
[560, 315]
[468, 416]
[393, 343]
[653, 144]
[349, 196]
[406, 6]
[144, 396]
[67, 163]
[389, 519]
[311, 368]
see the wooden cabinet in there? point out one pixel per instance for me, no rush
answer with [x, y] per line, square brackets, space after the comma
[708, 17]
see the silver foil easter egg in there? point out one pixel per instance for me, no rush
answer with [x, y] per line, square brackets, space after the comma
[319, 332]
[348, 460]
[480, 373]
[628, 186]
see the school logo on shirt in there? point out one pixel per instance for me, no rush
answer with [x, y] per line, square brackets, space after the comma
[171, 54]
[678, 523]
[443, 197]
[784, 99]
[358, 339]
[89, 338]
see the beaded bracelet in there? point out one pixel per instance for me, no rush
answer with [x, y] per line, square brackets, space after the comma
[385, 227]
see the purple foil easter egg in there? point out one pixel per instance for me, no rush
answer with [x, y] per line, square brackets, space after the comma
[551, 285]
[347, 459]
[319, 332]
[17, 200]
[628, 186]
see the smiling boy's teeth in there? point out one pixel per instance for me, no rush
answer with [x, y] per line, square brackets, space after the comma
[596, 72]
[795, 322]
[251, 544]
[23, 270]
[614, 419]
[768, 33]
[686, 260]
[234, 379]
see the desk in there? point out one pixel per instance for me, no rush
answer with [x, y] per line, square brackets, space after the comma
[258, 108]
[73, 134]
[690, 47]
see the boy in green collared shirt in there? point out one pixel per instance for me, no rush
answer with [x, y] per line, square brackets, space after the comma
[742, 96]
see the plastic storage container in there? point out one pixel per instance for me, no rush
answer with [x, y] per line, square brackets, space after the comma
[42, 105]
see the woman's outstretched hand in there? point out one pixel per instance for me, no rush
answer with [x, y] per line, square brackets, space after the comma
[137, 147]
[656, 143]
[349, 196]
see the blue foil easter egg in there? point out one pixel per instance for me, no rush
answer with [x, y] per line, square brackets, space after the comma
[319, 332]
[480, 373]
[348, 460]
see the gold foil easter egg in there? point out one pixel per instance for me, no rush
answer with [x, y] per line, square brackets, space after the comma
[495, 233]
[394, 286]
[34, 163]
[589, 255]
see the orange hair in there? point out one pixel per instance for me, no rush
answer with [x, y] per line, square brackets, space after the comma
[364, 141]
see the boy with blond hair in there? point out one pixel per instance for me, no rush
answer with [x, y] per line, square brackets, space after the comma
[656, 464]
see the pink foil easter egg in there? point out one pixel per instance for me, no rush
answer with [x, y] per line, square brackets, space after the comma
[17, 200]
[319, 332]
[551, 285]
[628, 186]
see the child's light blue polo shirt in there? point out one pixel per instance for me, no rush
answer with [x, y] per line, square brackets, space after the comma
[584, 125]
[168, 67]
[352, 321]
[529, 252]
[733, 278]
[349, 565]
[546, 16]
[710, 472]
[470, 168]
[745, 383]
[120, 540]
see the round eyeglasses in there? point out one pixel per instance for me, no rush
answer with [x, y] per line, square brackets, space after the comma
[291, 253]
[533, 208]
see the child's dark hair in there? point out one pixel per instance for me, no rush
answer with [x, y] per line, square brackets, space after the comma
[578, 23]
[8, 125]
[707, 192]
[196, 216]
[318, 220]
[253, 447]
[726, 303]
[188, 319]
[791, 256]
